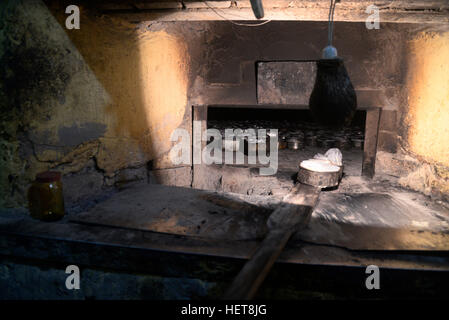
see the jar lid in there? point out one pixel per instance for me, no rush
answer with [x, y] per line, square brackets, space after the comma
[48, 176]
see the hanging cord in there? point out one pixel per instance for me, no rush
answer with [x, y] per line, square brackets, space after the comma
[331, 22]
[233, 22]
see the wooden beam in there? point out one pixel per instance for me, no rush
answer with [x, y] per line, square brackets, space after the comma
[435, 5]
[399, 11]
[370, 146]
[199, 114]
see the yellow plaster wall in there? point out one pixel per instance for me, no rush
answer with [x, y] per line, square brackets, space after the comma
[428, 97]
[145, 74]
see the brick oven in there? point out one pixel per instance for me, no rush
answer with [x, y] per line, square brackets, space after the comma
[109, 93]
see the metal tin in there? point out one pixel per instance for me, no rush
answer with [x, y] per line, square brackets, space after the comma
[328, 143]
[357, 143]
[341, 143]
[293, 143]
[312, 141]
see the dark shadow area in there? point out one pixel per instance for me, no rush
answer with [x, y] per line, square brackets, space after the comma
[288, 115]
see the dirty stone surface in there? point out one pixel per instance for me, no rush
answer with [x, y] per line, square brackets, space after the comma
[184, 211]
[90, 244]
[246, 178]
[359, 214]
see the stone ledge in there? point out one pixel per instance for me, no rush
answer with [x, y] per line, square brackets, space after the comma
[179, 256]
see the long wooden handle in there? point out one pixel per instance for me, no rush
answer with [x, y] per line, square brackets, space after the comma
[291, 215]
[248, 281]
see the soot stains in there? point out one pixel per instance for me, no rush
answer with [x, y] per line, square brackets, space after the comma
[32, 75]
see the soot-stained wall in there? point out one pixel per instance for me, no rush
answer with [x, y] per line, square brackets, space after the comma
[100, 103]
[400, 67]
[97, 103]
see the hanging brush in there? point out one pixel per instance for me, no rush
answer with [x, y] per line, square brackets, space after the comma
[333, 100]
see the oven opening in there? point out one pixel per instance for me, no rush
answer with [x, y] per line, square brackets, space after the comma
[299, 136]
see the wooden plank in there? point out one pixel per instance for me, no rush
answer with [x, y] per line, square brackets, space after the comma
[199, 114]
[293, 14]
[370, 146]
[292, 215]
[249, 279]
[222, 4]
[310, 10]
[300, 198]
[199, 117]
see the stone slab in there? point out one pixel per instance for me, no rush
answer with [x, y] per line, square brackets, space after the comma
[182, 211]
[377, 221]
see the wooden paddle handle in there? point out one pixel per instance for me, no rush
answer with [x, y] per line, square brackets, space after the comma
[248, 281]
[289, 217]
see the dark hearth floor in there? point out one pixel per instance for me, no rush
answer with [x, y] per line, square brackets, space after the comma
[363, 222]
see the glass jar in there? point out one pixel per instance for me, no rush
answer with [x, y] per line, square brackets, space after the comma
[45, 197]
